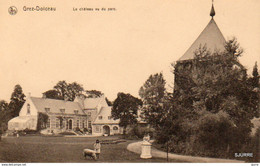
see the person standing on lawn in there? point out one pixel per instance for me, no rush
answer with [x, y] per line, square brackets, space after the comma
[97, 147]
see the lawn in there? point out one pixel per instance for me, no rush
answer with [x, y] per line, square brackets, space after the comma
[28, 149]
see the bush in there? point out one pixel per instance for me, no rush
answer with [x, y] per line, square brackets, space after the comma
[28, 131]
[253, 147]
[90, 130]
[214, 135]
[42, 121]
[139, 132]
[77, 129]
[67, 133]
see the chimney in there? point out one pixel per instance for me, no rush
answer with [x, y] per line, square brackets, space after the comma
[44, 96]
[29, 95]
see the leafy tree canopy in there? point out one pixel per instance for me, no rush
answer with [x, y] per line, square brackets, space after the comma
[125, 108]
[17, 100]
[153, 97]
[93, 93]
[64, 91]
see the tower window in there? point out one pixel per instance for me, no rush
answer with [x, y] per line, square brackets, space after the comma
[28, 109]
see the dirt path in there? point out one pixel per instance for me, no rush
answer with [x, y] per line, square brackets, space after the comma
[136, 148]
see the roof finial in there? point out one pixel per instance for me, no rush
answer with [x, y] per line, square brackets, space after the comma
[212, 12]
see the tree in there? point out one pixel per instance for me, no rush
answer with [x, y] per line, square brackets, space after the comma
[153, 97]
[73, 90]
[4, 115]
[255, 79]
[62, 88]
[52, 94]
[3, 105]
[65, 91]
[93, 93]
[17, 100]
[125, 108]
[211, 84]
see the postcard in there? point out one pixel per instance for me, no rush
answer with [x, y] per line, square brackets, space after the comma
[134, 81]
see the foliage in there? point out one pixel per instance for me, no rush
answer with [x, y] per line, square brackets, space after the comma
[3, 105]
[17, 100]
[67, 133]
[213, 104]
[42, 121]
[28, 131]
[3, 115]
[255, 79]
[212, 135]
[52, 94]
[64, 91]
[85, 130]
[93, 93]
[253, 147]
[125, 108]
[12, 109]
[153, 97]
[77, 129]
[139, 131]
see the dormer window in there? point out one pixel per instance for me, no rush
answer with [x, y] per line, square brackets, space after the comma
[100, 117]
[76, 111]
[47, 110]
[62, 110]
[28, 108]
[109, 117]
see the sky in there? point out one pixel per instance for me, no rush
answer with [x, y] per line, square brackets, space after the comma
[112, 51]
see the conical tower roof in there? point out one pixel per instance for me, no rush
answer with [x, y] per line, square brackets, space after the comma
[211, 37]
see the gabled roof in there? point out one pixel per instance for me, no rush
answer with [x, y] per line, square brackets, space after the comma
[56, 105]
[92, 103]
[211, 37]
[105, 112]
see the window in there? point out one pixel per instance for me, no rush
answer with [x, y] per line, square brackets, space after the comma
[76, 111]
[89, 113]
[57, 122]
[49, 123]
[100, 117]
[89, 124]
[109, 117]
[77, 123]
[28, 109]
[47, 110]
[67, 124]
[97, 128]
[83, 124]
[115, 128]
[62, 110]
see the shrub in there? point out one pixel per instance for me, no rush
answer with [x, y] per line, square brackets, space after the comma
[253, 147]
[42, 121]
[90, 130]
[77, 129]
[29, 131]
[67, 133]
[214, 135]
[138, 132]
